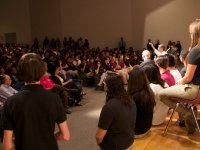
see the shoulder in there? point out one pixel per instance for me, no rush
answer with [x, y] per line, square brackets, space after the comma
[194, 53]
[113, 104]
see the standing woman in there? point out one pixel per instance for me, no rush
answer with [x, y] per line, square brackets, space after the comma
[117, 120]
[141, 93]
[188, 86]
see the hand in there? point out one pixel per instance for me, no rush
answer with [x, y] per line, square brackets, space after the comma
[151, 44]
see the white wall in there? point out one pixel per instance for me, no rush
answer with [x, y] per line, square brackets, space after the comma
[45, 18]
[15, 18]
[103, 22]
[171, 21]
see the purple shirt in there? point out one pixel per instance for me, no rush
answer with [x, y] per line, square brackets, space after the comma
[168, 78]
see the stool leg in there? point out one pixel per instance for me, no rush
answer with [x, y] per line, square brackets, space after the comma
[195, 119]
[172, 115]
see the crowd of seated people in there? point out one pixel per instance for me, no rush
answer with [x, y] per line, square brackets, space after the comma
[73, 64]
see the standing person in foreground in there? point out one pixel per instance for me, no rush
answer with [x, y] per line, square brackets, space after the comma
[188, 86]
[117, 120]
[31, 114]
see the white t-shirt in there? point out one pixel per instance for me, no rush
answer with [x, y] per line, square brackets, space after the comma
[158, 53]
[176, 74]
[160, 109]
[7, 91]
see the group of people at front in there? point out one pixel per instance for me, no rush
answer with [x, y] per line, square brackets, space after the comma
[127, 114]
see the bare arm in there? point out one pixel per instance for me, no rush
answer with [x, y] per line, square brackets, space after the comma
[67, 82]
[63, 133]
[100, 135]
[152, 46]
[154, 49]
[188, 75]
[7, 140]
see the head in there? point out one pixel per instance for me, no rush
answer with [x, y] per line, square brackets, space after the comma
[6, 80]
[153, 74]
[139, 84]
[115, 88]
[137, 80]
[146, 55]
[172, 60]
[161, 47]
[31, 68]
[2, 70]
[194, 30]
[13, 70]
[183, 56]
[162, 62]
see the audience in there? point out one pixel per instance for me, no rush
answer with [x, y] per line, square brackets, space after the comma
[172, 68]
[5, 88]
[160, 50]
[141, 93]
[117, 120]
[183, 59]
[162, 62]
[188, 86]
[156, 84]
[146, 56]
[71, 64]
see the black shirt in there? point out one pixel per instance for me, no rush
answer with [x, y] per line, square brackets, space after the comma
[31, 114]
[119, 121]
[194, 59]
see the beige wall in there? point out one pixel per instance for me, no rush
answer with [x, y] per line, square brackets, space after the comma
[102, 22]
[45, 18]
[171, 21]
[15, 18]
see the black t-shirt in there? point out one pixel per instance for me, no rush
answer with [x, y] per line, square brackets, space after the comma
[144, 115]
[31, 114]
[194, 59]
[119, 121]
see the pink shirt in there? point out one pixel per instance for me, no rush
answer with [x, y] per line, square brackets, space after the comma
[46, 82]
[168, 78]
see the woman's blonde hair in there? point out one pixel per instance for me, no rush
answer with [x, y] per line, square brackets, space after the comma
[195, 33]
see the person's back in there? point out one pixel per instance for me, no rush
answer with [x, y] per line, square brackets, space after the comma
[172, 67]
[31, 114]
[163, 62]
[168, 78]
[144, 114]
[34, 112]
[117, 119]
[176, 74]
[141, 93]
[121, 132]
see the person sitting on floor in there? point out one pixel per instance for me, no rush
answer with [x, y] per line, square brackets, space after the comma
[141, 93]
[156, 84]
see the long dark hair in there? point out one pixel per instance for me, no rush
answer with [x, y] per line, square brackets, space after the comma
[138, 83]
[153, 74]
[116, 89]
